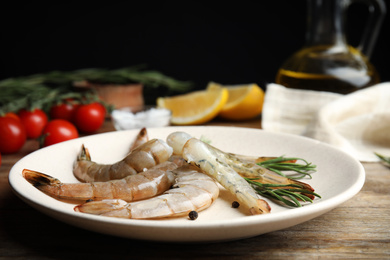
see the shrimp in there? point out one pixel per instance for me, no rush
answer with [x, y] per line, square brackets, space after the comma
[207, 158]
[177, 140]
[143, 157]
[147, 184]
[244, 165]
[249, 169]
[192, 191]
[141, 138]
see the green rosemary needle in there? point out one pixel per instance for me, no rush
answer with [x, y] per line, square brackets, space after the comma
[289, 195]
[384, 159]
[281, 164]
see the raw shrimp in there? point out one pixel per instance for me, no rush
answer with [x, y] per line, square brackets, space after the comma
[177, 140]
[143, 157]
[246, 166]
[192, 191]
[147, 184]
[249, 169]
[207, 158]
[141, 138]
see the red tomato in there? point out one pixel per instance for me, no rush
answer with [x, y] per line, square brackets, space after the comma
[64, 110]
[90, 117]
[12, 114]
[12, 135]
[58, 130]
[34, 122]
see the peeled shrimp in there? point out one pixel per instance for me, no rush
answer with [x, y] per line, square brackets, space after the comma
[208, 159]
[192, 191]
[134, 187]
[143, 157]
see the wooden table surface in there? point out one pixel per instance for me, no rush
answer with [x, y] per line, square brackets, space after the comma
[359, 228]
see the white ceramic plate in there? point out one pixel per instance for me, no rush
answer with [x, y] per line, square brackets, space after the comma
[339, 178]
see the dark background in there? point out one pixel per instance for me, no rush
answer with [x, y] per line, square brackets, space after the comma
[188, 40]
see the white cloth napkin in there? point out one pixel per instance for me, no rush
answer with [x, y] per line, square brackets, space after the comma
[357, 123]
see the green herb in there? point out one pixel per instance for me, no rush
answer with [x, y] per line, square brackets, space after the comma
[281, 164]
[289, 195]
[42, 90]
[384, 159]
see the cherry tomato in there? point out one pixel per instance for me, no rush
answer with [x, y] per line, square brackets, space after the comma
[58, 130]
[34, 122]
[89, 117]
[64, 110]
[12, 135]
[12, 114]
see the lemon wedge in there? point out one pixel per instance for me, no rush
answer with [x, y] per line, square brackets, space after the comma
[245, 101]
[196, 107]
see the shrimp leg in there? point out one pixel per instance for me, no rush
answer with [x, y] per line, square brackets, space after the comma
[193, 191]
[134, 187]
[143, 157]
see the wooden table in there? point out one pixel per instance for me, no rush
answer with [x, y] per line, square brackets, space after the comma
[358, 228]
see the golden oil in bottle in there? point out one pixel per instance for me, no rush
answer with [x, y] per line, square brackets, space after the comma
[325, 68]
[327, 62]
[321, 82]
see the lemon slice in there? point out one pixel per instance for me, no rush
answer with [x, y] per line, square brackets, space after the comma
[196, 107]
[245, 101]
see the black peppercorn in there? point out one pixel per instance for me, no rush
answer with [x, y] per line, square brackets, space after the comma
[193, 215]
[235, 204]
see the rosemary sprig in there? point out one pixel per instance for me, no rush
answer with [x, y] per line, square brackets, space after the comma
[281, 164]
[125, 75]
[384, 159]
[41, 90]
[289, 195]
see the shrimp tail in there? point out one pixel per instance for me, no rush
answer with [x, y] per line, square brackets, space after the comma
[262, 207]
[38, 179]
[84, 154]
[141, 138]
[43, 182]
[101, 207]
[304, 185]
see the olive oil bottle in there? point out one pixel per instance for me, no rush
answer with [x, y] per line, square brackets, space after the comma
[327, 62]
